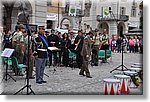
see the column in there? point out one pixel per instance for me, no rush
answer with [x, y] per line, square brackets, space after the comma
[40, 12]
[112, 29]
[1, 75]
[0, 13]
[94, 15]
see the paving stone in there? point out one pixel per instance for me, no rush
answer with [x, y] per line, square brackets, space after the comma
[67, 81]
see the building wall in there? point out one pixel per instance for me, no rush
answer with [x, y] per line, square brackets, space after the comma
[133, 20]
[40, 12]
[32, 2]
[54, 6]
[1, 74]
[88, 20]
[115, 7]
[0, 13]
[53, 10]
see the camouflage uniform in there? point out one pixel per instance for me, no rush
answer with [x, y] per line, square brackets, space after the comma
[30, 55]
[19, 39]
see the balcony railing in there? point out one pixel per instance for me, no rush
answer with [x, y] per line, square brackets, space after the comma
[80, 13]
[113, 18]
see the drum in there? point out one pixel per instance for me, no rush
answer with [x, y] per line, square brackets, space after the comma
[139, 64]
[135, 69]
[111, 86]
[138, 70]
[136, 66]
[134, 82]
[124, 81]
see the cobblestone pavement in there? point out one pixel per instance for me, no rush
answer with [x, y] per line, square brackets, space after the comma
[68, 81]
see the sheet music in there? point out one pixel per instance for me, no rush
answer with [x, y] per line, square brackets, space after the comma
[42, 50]
[7, 52]
[53, 48]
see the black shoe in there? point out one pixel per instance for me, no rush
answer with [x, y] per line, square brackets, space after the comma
[44, 81]
[31, 77]
[82, 74]
[95, 64]
[103, 62]
[88, 77]
[39, 82]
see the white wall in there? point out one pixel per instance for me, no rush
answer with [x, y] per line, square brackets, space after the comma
[1, 85]
[0, 13]
[128, 5]
[40, 12]
[115, 5]
[32, 2]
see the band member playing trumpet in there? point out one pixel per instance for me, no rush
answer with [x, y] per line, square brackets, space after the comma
[78, 47]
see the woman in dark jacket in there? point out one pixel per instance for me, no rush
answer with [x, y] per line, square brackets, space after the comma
[66, 42]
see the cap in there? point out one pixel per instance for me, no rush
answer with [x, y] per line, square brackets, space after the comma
[21, 26]
[91, 32]
[79, 31]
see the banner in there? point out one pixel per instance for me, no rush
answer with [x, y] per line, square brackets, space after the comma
[106, 13]
[72, 10]
[52, 16]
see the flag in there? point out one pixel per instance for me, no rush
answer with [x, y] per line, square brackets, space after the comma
[106, 13]
[72, 10]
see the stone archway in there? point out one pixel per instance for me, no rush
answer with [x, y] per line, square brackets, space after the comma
[11, 10]
[18, 15]
[102, 26]
[121, 29]
[66, 23]
[7, 14]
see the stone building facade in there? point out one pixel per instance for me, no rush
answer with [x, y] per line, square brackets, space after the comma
[117, 16]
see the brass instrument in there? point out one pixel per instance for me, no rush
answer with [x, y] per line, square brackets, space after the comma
[77, 44]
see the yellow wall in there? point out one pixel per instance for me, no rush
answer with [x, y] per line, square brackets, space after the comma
[54, 7]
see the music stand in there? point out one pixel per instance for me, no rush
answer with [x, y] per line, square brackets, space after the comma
[122, 65]
[7, 53]
[52, 49]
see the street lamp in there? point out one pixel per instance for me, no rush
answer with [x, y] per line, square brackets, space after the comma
[111, 12]
[58, 15]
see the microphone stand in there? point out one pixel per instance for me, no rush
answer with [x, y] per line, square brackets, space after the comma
[28, 86]
[122, 64]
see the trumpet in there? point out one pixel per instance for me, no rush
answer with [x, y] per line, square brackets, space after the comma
[77, 44]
